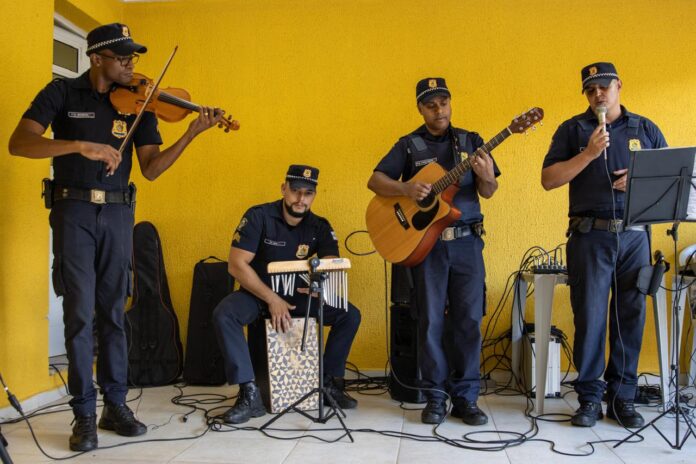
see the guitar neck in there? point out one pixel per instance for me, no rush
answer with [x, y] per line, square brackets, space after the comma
[455, 173]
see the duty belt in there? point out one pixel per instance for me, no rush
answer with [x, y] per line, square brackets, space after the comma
[614, 225]
[96, 196]
[453, 233]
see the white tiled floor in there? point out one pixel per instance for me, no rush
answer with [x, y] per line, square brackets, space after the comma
[374, 413]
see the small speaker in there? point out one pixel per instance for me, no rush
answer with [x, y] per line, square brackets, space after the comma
[401, 285]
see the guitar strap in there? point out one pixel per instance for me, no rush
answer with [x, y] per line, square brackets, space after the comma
[419, 154]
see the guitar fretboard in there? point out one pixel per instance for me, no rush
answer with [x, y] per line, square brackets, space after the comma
[455, 173]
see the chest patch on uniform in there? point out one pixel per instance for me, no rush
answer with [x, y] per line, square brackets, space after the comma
[302, 251]
[463, 155]
[268, 241]
[81, 115]
[420, 163]
[119, 129]
[634, 144]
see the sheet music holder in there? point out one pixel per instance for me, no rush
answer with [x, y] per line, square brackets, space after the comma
[660, 189]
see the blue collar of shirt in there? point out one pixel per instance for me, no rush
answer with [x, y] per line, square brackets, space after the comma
[83, 82]
[589, 115]
[276, 211]
[425, 133]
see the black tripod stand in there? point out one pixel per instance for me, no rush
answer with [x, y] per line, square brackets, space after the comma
[659, 189]
[316, 287]
[4, 456]
[680, 413]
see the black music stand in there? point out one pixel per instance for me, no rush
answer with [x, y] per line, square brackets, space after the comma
[660, 189]
[316, 287]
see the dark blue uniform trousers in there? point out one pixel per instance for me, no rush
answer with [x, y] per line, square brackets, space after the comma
[453, 271]
[591, 258]
[92, 247]
[241, 308]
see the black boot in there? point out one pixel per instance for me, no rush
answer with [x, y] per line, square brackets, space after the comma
[336, 387]
[587, 414]
[248, 405]
[469, 412]
[624, 412]
[119, 418]
[84, 433]
[434, 412]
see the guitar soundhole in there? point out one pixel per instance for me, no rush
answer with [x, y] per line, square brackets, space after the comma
[422, 219]
[427, 202]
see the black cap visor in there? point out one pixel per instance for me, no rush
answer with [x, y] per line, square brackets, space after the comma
[426, 97]
[601, 81]
[300, 184]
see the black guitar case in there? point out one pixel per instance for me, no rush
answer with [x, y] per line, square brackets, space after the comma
[211, 283]
[155, 354]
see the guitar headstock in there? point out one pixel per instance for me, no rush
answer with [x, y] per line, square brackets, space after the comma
[228, 123]
[526, 121]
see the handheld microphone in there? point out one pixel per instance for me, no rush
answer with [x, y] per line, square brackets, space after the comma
[601, 112]
[659, 269]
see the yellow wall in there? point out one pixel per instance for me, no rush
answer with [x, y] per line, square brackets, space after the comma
[28, 54]
[331, 83]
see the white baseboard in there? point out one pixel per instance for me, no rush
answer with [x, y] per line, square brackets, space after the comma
[34, 402]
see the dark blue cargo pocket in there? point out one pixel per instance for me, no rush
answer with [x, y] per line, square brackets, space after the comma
[57, 276]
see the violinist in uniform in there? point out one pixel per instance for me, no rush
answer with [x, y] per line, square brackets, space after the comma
[91, 216]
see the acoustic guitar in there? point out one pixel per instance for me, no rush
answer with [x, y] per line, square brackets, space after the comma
[404, 231]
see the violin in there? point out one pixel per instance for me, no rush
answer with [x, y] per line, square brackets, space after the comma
[170, 104]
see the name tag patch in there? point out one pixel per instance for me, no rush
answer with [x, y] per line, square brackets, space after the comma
[268, 241]
[81, 115]
[424, 162]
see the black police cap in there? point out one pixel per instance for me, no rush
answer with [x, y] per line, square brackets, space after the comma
[598, 73]
[115, 37]
[302, 176]
[430, 87]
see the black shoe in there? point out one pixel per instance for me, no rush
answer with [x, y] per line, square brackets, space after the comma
[84, 433]
[434, 412]
[248, 405]
[469, 412]
[337, 389]
[119, 418]
[624, 412]
[587, 414]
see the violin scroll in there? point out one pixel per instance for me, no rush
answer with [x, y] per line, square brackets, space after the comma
[228, 123]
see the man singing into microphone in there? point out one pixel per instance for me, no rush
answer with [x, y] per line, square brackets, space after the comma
[283, 230]
[590, 152]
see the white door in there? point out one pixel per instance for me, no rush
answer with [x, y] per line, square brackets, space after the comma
[69, 60]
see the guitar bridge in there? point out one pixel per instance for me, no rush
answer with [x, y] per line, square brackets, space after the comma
[400, 216]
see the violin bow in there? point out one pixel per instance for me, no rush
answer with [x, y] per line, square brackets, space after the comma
[147, 102]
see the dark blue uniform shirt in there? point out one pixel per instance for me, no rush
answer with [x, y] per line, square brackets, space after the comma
[398, 164]
[76, 111]
[590, 191]
[264, 232]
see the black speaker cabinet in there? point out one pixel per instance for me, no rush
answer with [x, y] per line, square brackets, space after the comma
[404, 356]
[401, 285]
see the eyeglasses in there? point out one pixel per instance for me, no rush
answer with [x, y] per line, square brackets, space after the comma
[123, 60]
